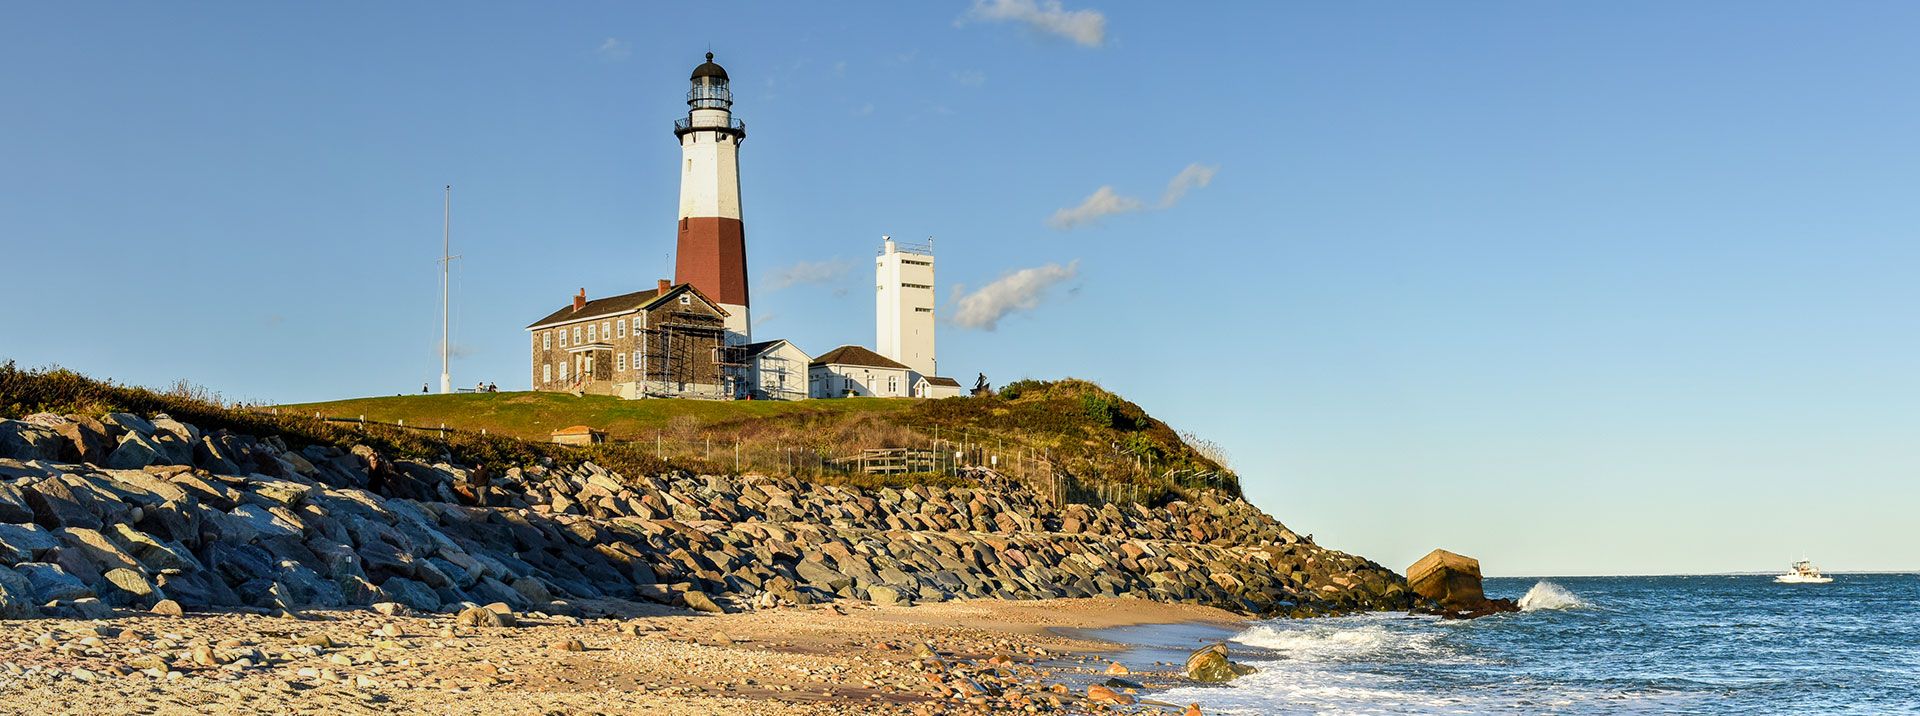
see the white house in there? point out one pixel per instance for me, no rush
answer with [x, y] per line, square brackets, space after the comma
[933, 386]
[852, 371]
[774, 370]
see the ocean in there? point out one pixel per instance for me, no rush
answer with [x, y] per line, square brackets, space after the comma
[1584, 645]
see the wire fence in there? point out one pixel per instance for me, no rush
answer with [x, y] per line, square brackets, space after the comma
[1118, 478]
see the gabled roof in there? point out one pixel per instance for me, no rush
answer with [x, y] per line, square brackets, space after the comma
[619, 304]
[754, 349]
[855, 355]
[938, 380]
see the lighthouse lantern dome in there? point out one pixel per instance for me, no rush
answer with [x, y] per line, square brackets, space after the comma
[709, 89]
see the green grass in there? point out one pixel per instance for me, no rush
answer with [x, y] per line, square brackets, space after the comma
[535, 415]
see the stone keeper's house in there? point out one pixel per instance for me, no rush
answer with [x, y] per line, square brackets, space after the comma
[668, 342]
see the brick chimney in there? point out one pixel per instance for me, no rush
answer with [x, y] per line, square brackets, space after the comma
[665, 285]
[580, 300]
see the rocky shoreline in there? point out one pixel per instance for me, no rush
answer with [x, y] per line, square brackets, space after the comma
[125, 511]
[118, 515]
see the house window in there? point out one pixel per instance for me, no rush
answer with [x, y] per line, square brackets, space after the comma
[622, 363]
[592, 335]
[893, 385]
[636, 360]
[563, 372]
[576, 335]
[686, 300]
[563, 338]
[620, 327]
[606, 331]
[546, 340]
[546, 373]
[636, 325]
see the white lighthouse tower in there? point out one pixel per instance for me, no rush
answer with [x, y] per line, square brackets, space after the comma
[712, 249]
[903, 305]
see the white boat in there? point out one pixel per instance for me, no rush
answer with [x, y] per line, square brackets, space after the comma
[1803, 572]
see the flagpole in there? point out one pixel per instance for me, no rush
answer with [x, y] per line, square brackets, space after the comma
[446, 246]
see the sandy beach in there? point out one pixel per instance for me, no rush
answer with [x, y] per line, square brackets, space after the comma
[961, 657]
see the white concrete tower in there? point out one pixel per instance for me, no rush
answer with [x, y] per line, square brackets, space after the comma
[903, 304]
[712, 250]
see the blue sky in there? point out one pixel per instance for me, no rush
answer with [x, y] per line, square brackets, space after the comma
[1609, 288]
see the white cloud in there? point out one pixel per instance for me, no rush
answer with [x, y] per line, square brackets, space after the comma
[1194, 176]
[1106, 202]
[811, 272]
[1021, 290]
[970, 78]
[1103, 202]
[1085, 27]
[613, 49]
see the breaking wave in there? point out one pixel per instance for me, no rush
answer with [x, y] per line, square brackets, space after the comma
[1337, 640]
[1547, 595]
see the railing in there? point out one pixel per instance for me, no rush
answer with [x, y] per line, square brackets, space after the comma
[925, 249]
[734, 127]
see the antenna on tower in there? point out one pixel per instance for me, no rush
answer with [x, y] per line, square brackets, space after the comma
[446, 260]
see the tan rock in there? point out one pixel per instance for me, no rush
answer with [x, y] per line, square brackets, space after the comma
[1452, 580]
[1102, 695]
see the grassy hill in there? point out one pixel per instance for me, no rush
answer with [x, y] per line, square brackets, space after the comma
[1069, 435]
[1072, 427]
[534, 416]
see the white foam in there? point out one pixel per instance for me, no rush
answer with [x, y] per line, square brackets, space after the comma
[1547, 595]
[1339, 642]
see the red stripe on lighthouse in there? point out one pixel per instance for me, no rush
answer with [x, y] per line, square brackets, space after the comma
[713, 257]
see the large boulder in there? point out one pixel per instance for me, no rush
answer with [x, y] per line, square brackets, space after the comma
[1210, 665]
[26, 441]
[16, 596]
[51, 583]
[1452, 582]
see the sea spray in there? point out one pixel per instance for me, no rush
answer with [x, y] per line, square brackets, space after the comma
[1363, 638]
[1547, 595]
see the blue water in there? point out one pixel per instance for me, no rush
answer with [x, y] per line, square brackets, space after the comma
[1613, 645]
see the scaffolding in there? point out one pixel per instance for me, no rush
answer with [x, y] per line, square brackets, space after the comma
[685, 351]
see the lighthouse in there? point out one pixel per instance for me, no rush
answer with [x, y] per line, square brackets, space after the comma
[712, 250]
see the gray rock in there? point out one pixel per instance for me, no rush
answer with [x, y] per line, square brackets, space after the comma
[16, 596]
[56, 504]
[136, 450]
[155, 554]
[700, 602]
[128, 422]
[411, 593]
[26, 542]
[51, 583]
[128, 588]
[886, 596]
[26, 441]
[302, 588]
[13, 504]
[87, 608]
